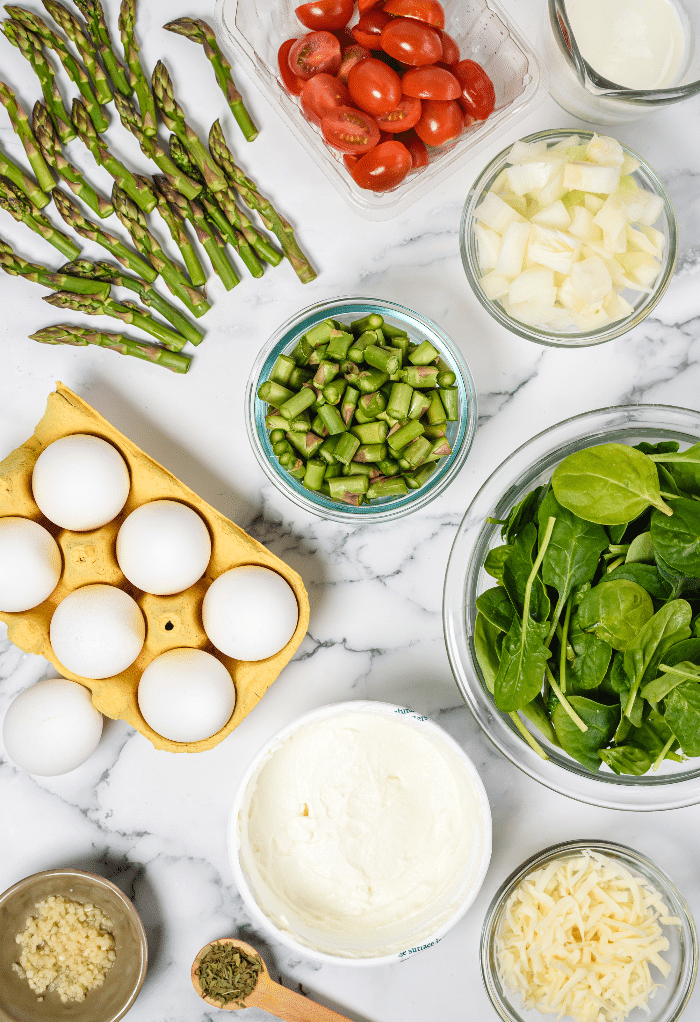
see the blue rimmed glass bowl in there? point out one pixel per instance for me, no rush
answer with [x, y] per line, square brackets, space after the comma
[419, 328]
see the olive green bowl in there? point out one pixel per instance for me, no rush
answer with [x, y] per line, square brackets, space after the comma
[109, 1002]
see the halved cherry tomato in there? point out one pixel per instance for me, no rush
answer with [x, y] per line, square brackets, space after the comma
[430, 83]
[366, 5]
[374, 87]
[351, 55]
[291, 82]
[440, 121]
[450, 49]
[350, 161]
[384, 167]
[328, 14]
[419, 154]
[429, 11]
[350, 130]
[314, 53]
[406, 114]
[344, 38]
[368, 30]
[411, 42]
[321, 94]
[478, 95]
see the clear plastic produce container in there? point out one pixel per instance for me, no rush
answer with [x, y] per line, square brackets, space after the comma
[257, 28]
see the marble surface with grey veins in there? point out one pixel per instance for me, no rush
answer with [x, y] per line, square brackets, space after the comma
[156, 823]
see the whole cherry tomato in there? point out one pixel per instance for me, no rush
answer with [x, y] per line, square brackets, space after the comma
[351, 55]
[374, 87]
[411, 42]
[450, 49]
[327, 14]
[478, 97]
[430, 83]
[292, 82]
[350, 130]
[419, 154]
[321, 94]
[429, 11]
[440, 121]
[406, 114]
[313, 53]
[384, 167]
[368, 30]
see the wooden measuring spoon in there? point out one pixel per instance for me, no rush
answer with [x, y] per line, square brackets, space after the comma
[268, 995]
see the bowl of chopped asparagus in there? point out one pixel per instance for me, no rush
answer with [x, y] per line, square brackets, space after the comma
[360, 408]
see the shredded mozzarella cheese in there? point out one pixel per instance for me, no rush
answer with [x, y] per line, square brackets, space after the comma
[577, 938]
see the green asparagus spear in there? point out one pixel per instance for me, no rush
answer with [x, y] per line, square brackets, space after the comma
[127, 29]
[129, 313]
[86, 48]
[66, 333]
[29, 46]
[92, 11]
[51, 149]
[174, 120]
[20, 123]
[147, 293]
[173, 275]
[18, 267]
[87, 229]
[200, 32]
[33, 23]
[15, 202]
[30, 188]
[139, 191]
[176, 226]
[248, 191]
[152, 148]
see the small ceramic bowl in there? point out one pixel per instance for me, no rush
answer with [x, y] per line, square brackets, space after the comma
[107, 1003]
[670, 998]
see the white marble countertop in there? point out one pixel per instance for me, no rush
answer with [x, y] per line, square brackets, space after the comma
[155, 823]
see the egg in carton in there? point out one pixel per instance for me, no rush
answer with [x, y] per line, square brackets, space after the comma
[89, 558]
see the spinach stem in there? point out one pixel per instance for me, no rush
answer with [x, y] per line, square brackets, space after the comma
[565, 702]
[662, 755]
[564, 640]
[532, 742]
[614, 564]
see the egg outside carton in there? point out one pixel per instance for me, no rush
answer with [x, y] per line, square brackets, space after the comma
[89, 557]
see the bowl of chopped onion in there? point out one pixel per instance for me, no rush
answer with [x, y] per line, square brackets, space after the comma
[591, 931]
[568, 239]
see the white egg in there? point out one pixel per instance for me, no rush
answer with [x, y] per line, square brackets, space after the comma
[80, 482]
[163, 547]
[97, 631]
[250, 613]
[186, 695]
[30, 564]
[52, 727]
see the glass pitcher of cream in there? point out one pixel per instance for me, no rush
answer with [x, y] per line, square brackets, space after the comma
[616, 60]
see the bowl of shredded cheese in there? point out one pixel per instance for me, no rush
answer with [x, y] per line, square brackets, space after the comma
[590, 931]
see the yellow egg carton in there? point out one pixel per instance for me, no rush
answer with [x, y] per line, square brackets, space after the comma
[89, 557]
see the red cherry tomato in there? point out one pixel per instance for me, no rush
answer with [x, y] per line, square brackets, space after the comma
[450, 49]
[328, 14]
[291, 82]
[430, 83]
[314, 53]
[350, 161]
[320, 95]
[440, 121]
[411, 42]
[478, 95]
[406, 114]
[344, 38]
[368, 30]
[429, 11]
[366, 5]
[419, 154]
[384, 167]
[350, 130]
[374, 87]
[351, 55]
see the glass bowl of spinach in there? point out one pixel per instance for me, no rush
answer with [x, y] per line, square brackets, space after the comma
[597, 696]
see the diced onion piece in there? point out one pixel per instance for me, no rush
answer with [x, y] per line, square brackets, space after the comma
[645, 242]
[556, 189]
[554, 249]
[612, 216]
[523, 152]
[582, 225]
[592, 321]
[593, 203]
[630, 164]
[656, 238]
[592, 279]
[617, 307]
[565, 144]
[489, 245]
[535, 285]
[494, 285]
[510, 258]
[605, 150]
[643, 207]
[556, 216]
[590, 177]
[540, 315]
[642, 268]
[532, 176]
[497, 214]
[516, 202]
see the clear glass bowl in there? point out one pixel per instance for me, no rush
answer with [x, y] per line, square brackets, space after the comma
[642, 303]
[257, 28]
[669, 1000]
[460, 433]
[675, 784]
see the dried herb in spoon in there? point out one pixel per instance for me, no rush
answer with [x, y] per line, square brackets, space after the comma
[227, 974]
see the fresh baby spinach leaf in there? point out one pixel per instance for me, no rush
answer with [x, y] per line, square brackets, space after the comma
[615, 611]
[641, 550]
[585, 746]
[496, 608]
[536, 713]
[627, 759]
[522, 514]
[591, 660]
[521, 670]
[670, 678]
[516, 572]
[495, 559]
[677, 539]
[682, 714]
[645, 575]
[645, 652]
[486, 649]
